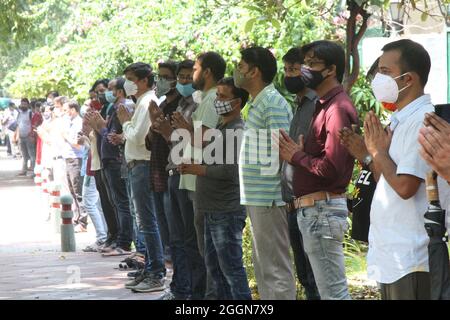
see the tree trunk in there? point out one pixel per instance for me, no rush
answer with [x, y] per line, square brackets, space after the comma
[352, 60]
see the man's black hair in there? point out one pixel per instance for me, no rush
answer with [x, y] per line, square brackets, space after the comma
[185, 64]
[141, 70]
[294, 55]
[120, 81]
[214, 62]
[74, 105]
[237, 92]
[171, 65]
[262, 59]
[100, 81]
[413, 57]
[53, 93]
[330, 52]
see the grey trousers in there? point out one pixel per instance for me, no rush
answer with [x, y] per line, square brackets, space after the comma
[271, 259]
[413, 286]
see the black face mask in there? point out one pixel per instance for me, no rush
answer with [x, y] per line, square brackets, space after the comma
[294, 84]
[102, 98]
[312, 78]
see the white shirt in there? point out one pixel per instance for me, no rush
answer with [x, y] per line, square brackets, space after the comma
[397, 237]
[9, 116]
[55, 130]
[136, 130]
[95, 157]
[71, 129]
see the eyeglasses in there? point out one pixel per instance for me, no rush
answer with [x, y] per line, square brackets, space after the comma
[160, 77]
[186, 78]
[291, 69]
[312, 63]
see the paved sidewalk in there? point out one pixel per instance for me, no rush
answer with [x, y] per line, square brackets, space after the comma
[31, 264]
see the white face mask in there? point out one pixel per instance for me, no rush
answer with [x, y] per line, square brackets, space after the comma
[385, 88]
[130, 88]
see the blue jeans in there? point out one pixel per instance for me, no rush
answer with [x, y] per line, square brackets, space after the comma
[223, 254]
[189, 272]
[91, 205]
[323, 227]
[162, 207]
[305, 274]
[119, 195]
[138, 237]
[144, 203]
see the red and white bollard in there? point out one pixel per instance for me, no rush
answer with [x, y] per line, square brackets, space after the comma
[55, 206]
[67, 229]
[45, 180]
[38, 175]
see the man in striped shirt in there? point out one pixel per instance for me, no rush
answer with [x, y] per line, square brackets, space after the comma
[259, 174]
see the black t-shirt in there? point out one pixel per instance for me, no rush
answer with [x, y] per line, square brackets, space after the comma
[361, 205]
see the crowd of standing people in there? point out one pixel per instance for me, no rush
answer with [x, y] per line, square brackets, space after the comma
[169, 164]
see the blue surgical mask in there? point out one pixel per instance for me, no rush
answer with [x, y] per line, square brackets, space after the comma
[110, 97]
[185, 90]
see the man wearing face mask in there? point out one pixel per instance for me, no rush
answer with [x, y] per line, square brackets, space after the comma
[166, 81]
[72, 153]
[139, 82]
[53, 135]
[209, 68]
[323, 168]
[398, 255]
[105, 194]
[304, 107]
[111, 161]
[218, 195]
[101, 103]
[259, 173]
[188, 266]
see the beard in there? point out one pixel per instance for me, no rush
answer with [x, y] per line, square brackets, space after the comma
[199, 85]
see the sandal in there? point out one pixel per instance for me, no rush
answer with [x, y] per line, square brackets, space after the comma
[116, 252]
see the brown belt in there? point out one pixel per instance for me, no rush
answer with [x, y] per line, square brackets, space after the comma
[309, 200]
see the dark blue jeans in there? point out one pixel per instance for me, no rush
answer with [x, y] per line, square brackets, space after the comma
[144, 203]
[119, 196]
[138, 237]
[162, 208]
[189, 272]
[305, 274]
[223, 254]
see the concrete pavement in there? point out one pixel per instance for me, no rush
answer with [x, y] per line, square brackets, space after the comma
[31, 264]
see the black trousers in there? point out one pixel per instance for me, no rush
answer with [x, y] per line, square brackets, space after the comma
[305, 274]
[413, 286]
[75, 183]
[108, 208]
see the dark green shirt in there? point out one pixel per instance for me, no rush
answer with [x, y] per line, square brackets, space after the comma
[218, 191]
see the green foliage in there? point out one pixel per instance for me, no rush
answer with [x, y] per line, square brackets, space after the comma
[99, 38]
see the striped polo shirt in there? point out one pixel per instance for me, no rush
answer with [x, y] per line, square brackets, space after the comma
[259, 165]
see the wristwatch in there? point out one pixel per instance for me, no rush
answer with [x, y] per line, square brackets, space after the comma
[367, 160]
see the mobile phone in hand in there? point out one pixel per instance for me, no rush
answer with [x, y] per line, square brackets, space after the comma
[443, 111]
